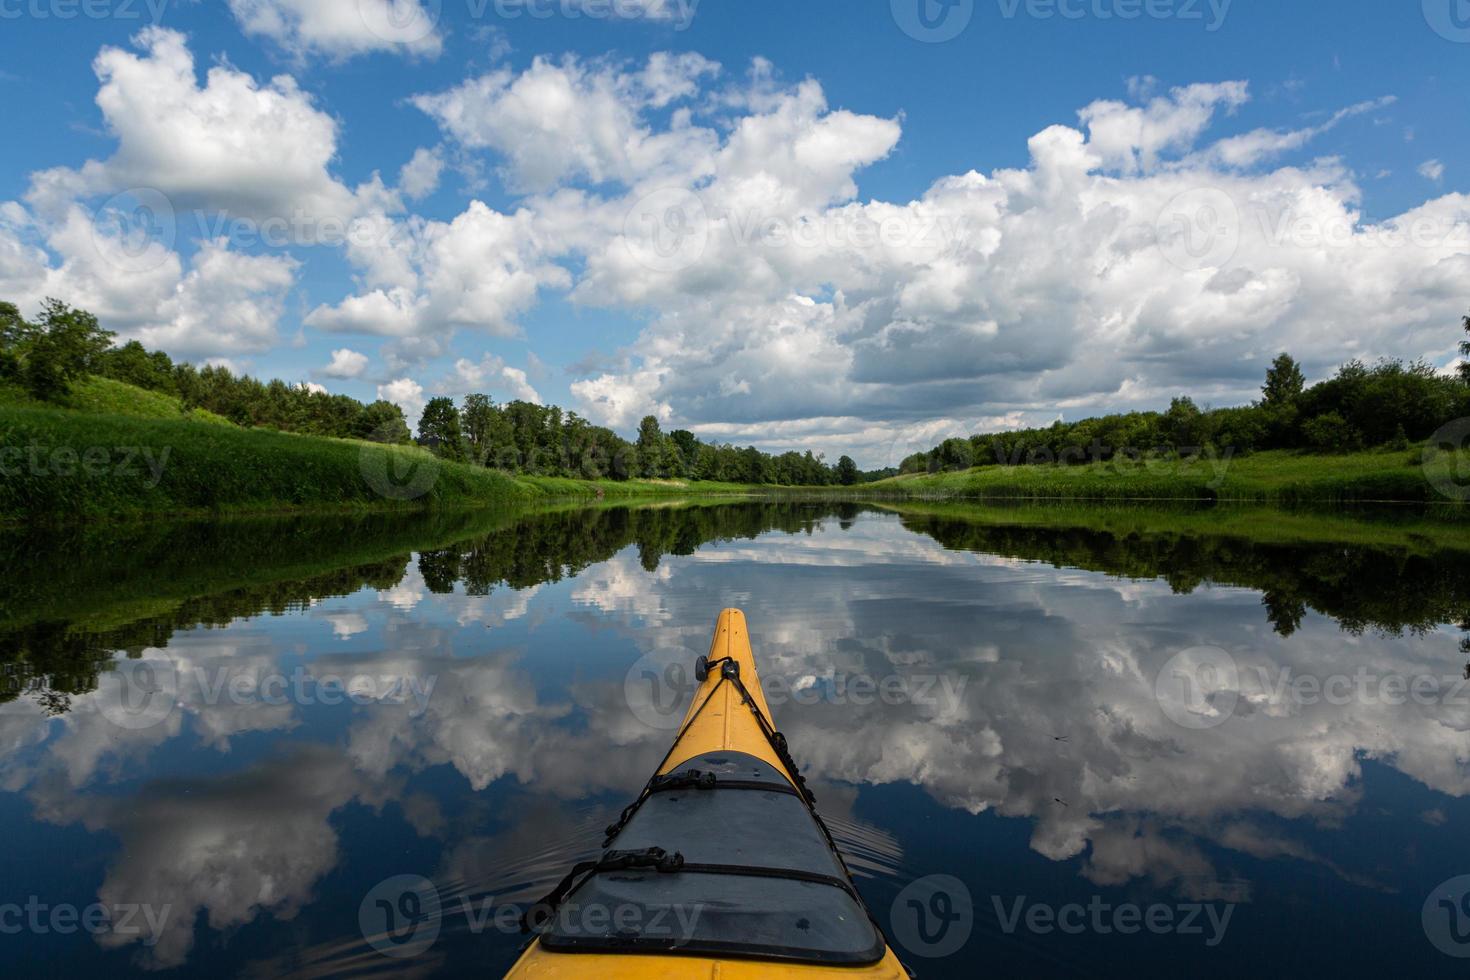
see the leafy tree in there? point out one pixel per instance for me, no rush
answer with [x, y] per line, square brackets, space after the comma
[847, 471]
[1465, 352]
[439, 429]
[477, 420]
[1284, 382]
[1182, 424]
[382, 421]
[67, 345]
[650, 447]
[133, 364]
[953, 454]
[14, 332]
[916, 463]
[688, 447]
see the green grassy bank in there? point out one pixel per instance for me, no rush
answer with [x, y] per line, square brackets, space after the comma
[118, 451]
[1404, 530]
[1280, 477]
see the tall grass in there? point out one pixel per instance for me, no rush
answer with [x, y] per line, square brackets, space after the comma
[1280, 476]
[122, 451]
[66, 465]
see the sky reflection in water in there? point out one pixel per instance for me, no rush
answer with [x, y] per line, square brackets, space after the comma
[975, 700]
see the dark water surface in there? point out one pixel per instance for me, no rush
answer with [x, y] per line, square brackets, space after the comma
[1072, 743]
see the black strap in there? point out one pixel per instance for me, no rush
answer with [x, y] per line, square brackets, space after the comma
[760, 871]
[778, 745]
[660, 860]
[698, 780]
[655, 858]
[616, 827]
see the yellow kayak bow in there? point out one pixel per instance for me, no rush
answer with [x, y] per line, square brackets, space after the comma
[721, 868]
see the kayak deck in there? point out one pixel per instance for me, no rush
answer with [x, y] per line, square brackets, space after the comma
[721, 849]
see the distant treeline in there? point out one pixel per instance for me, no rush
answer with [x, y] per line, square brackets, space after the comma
[544, 440]
[1388, 404]
[65, 345]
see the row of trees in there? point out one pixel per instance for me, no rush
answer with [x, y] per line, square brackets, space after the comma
[65, 345]
[1391, 403]
[542, 440]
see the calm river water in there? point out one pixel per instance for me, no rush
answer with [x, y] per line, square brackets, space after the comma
[1049, 743]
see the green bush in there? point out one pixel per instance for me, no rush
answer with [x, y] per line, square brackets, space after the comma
[1331, 433]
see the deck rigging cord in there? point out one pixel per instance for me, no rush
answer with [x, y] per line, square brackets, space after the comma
[657, 858]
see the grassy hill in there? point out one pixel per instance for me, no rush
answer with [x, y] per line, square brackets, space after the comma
[116, 450]
[107, 397]
[68, 464]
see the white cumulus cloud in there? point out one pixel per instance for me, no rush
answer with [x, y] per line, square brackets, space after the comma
[340, 29]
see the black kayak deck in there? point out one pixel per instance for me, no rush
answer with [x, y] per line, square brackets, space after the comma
[754, 876]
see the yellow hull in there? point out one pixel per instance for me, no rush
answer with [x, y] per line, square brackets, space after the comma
[717, 720]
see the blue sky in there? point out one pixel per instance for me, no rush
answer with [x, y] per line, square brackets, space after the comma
[837, 346]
